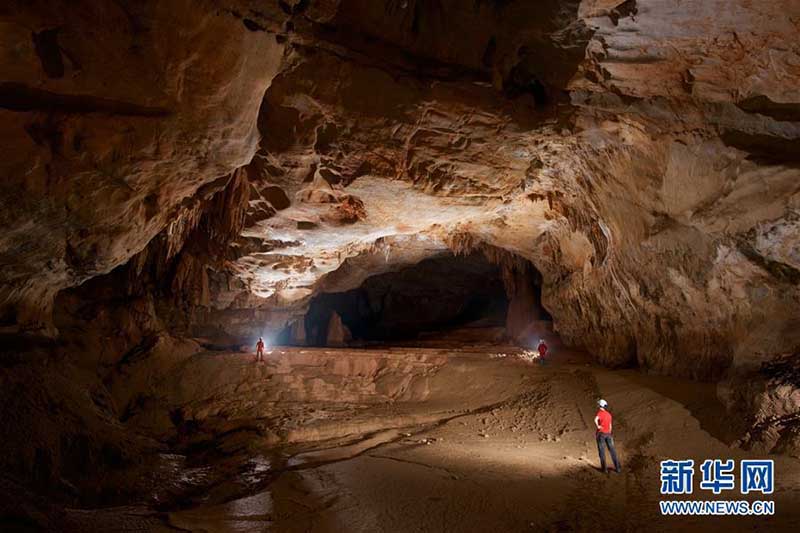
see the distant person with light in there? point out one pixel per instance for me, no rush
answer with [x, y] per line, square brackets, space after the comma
[260, 350]
[602, 422]
[542, 348]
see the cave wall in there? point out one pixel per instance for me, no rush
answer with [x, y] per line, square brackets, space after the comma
[696, 275]
[112, 115]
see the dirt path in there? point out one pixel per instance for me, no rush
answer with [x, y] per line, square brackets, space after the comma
[506, 446]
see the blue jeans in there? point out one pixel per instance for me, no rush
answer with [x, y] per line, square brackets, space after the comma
[606, 440]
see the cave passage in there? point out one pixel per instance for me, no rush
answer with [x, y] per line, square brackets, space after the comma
[454, 297]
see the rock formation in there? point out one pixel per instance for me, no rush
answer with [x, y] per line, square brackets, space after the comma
[338, 334]
[202, 170]
[113, 117]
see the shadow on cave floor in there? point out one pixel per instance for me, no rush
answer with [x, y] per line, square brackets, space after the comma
[415, 411]
[699, 398]
[431, 439]
[398, 438]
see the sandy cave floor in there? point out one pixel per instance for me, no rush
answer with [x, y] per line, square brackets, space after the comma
[472, 442]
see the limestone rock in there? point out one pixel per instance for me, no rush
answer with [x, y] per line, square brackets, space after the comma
[298, 333]
[112, 116]
[338, 334]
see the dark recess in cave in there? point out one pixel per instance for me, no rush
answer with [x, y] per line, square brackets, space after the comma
[462, 297]
[46, 46]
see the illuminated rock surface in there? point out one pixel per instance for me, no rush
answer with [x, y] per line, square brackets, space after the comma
[181, 177]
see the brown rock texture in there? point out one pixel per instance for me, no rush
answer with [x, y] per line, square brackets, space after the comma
[338, 334]
[112, 116]
[659, 205]
[204, 169]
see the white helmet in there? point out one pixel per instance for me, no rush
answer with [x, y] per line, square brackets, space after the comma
[602, 403]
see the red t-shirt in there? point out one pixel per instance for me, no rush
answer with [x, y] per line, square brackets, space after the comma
[605, 421]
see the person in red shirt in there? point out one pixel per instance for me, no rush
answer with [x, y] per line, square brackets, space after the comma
[260, 349]
[542, 351]
[604, 439]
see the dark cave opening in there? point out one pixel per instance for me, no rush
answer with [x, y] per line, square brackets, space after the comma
[457, 297]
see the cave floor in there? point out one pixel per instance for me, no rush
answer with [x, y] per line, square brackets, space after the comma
[468, 439]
